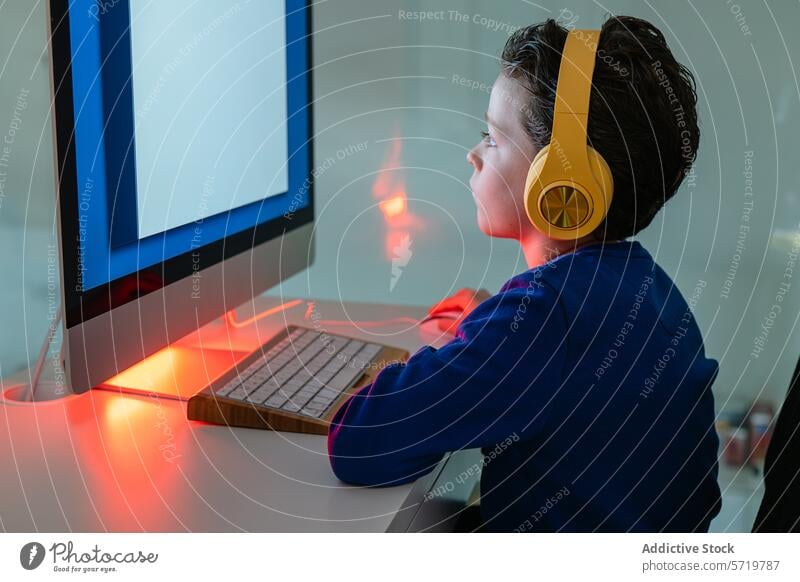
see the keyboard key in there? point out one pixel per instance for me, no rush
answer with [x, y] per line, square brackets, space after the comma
[315, 384]
[328, 394]
[302, 397]
[345, 377]
[275, 401]
[261, 395]
[335, 364]
[252, 383]
[336, 345]
[315, 412]
[308, 353]
[238, 393]
[353, 347]
[227, 387]
[263, 373]
[300, 378]
[320, 401]
[306, 392]
[297, 347]
[290, 407]
[324, 376]
[317, 363]
[282, 376]
[292, 389]
[253, 366]
[370, 351]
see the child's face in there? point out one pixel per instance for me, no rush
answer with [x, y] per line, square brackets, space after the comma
[501, 161]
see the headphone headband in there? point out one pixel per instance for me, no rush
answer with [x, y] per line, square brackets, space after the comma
[575, 73]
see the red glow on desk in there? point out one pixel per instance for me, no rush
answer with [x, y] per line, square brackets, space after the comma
[152, 371]
[121, 411]
[175, 371]
[137, 459]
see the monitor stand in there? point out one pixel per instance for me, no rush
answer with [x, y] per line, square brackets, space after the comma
[45, 380]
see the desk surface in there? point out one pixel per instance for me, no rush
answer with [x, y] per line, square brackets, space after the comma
[105, 461]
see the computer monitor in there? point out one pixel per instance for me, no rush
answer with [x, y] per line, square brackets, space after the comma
[183, 139]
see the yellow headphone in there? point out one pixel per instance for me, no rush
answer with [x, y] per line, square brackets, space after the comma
[569, 186]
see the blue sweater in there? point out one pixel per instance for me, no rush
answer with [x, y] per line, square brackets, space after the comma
[584, 382]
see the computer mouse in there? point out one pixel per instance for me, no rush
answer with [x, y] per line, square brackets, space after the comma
[431, 322]
[453, 313]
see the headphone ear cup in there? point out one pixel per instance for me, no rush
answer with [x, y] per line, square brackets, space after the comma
[601, 201]
[540, 154]
[532, 189]
[597, 195]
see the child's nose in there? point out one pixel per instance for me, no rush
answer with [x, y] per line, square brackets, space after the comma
[474, 159]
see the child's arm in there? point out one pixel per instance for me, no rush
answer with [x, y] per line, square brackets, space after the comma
[494, 380]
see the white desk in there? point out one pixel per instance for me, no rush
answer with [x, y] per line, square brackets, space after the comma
[104, 461]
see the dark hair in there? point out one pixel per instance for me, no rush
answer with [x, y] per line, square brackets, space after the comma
[642, 111]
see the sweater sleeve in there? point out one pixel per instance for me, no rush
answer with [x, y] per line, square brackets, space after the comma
[493, 380]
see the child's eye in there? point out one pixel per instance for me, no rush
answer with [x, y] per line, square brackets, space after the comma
[488, 138]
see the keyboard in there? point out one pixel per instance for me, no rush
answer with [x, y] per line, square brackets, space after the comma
[295, 382]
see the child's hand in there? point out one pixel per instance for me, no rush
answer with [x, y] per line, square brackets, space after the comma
[459, 306]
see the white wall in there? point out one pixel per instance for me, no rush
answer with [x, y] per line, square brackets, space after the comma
[27, 200]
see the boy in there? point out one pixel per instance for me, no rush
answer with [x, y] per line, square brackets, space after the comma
[584, 380]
